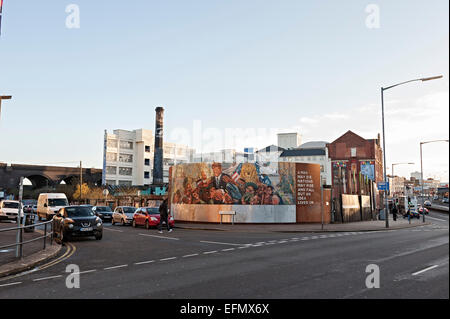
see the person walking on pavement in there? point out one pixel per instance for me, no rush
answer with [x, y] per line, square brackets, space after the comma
[394, 211]
[163, 216]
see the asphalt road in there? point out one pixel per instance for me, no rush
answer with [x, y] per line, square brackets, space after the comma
[140, 263]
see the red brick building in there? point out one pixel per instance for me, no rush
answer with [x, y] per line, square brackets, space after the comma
[356, 163]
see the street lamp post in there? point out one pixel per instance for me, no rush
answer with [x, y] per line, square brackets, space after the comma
[384, 137]
[421, 174]
[3, 97]
[393, 164]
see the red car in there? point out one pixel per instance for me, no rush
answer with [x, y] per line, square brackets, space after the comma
[149, 217]
[421, 210]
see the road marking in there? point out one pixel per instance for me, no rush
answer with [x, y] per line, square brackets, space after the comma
[115, 267]
[144, 262]
[227, 249]
[170, 258]
[210, 252]
[84, 272]
[216, 242]
[282, 241]
[173, 238]
[423, 270]
[45, 278]
[69, 252]
[242, 247]
[305, 238]
[117, 230]
[11, 284]
[442, 220]
[192, 255]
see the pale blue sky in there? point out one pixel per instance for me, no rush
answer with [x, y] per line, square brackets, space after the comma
[251, 63]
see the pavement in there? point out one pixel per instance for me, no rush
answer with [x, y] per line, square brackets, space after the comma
[33, 252]
[376, 225]
[139, 263]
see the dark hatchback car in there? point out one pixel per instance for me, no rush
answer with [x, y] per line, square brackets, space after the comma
[74, 221]
[104, 212]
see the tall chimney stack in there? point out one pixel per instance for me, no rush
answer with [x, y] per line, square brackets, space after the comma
[158, 157]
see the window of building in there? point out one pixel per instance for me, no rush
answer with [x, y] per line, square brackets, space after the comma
[112, 143]
[111, 157]
[126, 145]
[110, 182]
[125, 183]
[353, 151]
[147, 148]
[127, 171]
[111, 170]
[126, 158]
[147, 162]
[146, 174]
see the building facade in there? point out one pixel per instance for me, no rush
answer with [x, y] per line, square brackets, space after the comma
[355, 162]
[289, 140]
[128, 157]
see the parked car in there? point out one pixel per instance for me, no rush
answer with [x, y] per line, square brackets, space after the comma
[445, 200]
[123, 215]
[49, 204]
[149, 217]
[104, 212]
[73, 221]
[427, 203]
[9, 209]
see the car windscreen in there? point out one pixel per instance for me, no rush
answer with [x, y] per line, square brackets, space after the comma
[10, 205]
[153, 210]
[129, 211]
[57, 202]
[79, 212]
[103, 209]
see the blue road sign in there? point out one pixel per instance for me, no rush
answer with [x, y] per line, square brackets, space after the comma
[383, 186]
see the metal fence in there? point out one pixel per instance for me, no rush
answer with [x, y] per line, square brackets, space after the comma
[20, 230]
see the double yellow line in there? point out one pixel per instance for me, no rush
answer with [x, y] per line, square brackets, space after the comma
[71, 249]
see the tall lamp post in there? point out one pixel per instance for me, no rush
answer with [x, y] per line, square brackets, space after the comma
[3, 97]
[421, 174]
[384, 137]
[393, 164]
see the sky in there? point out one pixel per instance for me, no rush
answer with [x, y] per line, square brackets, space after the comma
[254, 67]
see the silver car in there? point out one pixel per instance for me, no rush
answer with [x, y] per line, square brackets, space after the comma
[123, 215]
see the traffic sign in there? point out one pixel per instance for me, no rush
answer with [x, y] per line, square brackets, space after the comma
[383, 186]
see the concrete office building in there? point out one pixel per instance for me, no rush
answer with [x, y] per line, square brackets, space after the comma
[128, 157]
[289, 140]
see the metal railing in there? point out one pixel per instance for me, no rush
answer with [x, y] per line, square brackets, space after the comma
[20, 242]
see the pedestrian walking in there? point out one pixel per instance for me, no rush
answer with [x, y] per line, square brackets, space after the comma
[394, 212]
[163, 216]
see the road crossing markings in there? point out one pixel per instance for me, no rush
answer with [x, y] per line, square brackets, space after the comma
[46, 278]
[220, 243]
[144, 262]
[169, 258]
[163, 237]
[115, 267]
[11, 284]
[424, 270]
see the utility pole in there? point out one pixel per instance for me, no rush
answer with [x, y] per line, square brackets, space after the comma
[3, 97]
[81, 180]
[19, 236]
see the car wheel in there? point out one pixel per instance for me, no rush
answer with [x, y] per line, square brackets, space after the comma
[134, 223]
[147, 226]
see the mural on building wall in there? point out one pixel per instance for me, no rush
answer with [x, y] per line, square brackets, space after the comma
[368, 169]
[238, 184]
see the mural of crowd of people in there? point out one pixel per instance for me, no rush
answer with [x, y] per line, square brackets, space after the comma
[238, 184]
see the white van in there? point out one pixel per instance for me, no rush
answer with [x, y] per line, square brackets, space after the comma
[9, 209]
[49, 204]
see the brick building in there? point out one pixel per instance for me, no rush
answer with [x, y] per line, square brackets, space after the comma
[355, 163]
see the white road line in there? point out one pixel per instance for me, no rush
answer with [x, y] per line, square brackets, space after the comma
[45, 278]
[305, 238]
[170, 258]
[216, 242]
[144, 262]
[282, 241]
[11, 284]
[115, 267]
[210, 252]
[442, 220]
[107, 228]
[227, 249]
[84, 272]
[242, 247]
[423, 270]
[173, 238]
[192, 255]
